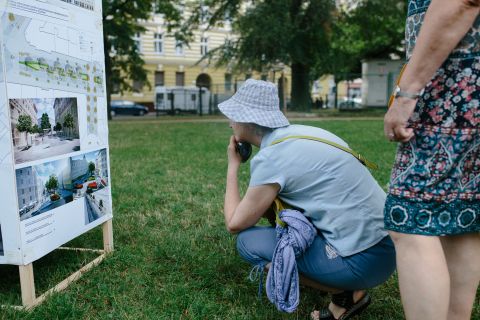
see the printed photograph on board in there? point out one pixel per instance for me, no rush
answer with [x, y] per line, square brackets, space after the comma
[1, 243]
[42, 128]
[90, 181]
[43, 187]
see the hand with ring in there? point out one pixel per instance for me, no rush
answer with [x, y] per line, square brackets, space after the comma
[396, 119]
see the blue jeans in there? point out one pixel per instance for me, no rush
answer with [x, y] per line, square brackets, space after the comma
[321, 263]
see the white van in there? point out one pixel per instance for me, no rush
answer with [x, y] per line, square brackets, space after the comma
[173, 100]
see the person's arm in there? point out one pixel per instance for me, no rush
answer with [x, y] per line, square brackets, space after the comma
[446, 23]
[243, 213]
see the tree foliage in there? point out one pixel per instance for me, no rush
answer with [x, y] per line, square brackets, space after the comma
[45, 122]
[374, 29]
[91, 167]
[24, 124]
[273, 32]
[313, 37]
[123, 60]
[52, 183]
[69, 122]
[58, 127]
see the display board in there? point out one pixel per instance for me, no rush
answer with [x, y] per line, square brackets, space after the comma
[54, 157]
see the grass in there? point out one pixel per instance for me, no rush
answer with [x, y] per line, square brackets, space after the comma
[173, 257]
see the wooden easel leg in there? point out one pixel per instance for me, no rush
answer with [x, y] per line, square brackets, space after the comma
[27, 285]
[108, 236]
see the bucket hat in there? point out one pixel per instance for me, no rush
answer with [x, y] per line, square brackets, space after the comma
[256, 101]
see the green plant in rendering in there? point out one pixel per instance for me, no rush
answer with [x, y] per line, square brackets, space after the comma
[45, 122]
[24, 124]
[52, 184]
[69, 123]
[58, 127]
[35, 129]
[91, 167]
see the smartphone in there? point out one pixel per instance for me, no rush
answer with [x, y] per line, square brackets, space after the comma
[244, 149]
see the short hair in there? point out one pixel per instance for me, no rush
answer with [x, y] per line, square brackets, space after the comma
[259, 130]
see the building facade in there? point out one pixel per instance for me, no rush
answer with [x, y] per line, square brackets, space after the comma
[101, 165]
[29, 187]
[22, 107]
[79, 167]
[172, 64]
[63, 107]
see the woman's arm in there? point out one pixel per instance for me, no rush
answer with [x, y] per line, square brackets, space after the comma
[446, 23]
[243, 213]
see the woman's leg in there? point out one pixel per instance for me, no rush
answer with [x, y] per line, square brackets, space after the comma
[324, 269]
[463, 258]
[423, 276]
[256, 244]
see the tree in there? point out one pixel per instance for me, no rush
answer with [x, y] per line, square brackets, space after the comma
[52, 184]
[91, 167]
[24, 124]
[123, 60]
[69, 123]
[58, 127]
[35, 129]
[292, 32]
[45, 122]
[358, 34]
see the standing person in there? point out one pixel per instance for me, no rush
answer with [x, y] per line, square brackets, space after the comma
[351, 251]
[433, 205]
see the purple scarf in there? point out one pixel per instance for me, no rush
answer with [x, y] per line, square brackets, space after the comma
[282, 280]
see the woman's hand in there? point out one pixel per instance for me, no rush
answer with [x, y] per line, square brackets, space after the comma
[234, 159]
[396, 119]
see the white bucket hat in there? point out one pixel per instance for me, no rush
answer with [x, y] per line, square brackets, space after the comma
[257, 102]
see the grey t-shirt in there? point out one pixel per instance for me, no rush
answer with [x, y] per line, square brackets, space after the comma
[329, 185]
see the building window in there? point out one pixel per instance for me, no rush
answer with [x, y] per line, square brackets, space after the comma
[205, 14]
[138, 41]
[158, 42]
[179, 48]
[228, 82]
[137, 86]
[203, 45]
[159, 78]
[180, 79]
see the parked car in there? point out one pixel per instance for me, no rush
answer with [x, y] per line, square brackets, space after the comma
[349, 104]
[124, 107]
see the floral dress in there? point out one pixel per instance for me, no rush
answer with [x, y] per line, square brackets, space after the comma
[435, 181]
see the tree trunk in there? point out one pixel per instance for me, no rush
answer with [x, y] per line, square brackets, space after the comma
[301, 98]
[108, 72]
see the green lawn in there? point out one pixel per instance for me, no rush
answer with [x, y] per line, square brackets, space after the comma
[173, 257]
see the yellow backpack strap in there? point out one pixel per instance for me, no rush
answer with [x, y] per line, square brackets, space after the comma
[359, 157]
[277, 207]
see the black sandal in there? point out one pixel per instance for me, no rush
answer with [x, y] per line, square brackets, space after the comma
[345, 300]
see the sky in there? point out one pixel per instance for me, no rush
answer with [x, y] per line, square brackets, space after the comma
[91, 156]
[45, 106]
[54, 167]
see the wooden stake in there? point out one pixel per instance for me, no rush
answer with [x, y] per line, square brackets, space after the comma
[66, 282]
[27, 285]
[108, 236]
